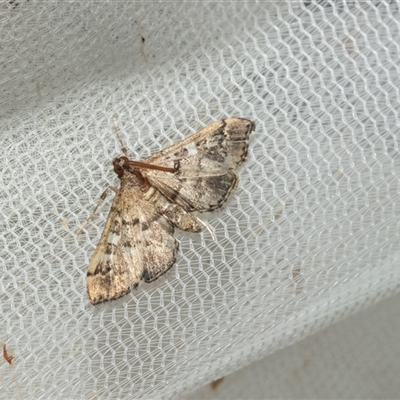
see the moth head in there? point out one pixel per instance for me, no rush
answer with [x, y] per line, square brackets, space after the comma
[118, 164]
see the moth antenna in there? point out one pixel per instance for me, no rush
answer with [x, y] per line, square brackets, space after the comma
[207, 227]
[121, 143]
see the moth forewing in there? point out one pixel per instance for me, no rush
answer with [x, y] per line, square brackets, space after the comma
[156, 196]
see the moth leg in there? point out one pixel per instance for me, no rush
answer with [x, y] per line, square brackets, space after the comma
[207, 227]
[99, 202]
[179, 217]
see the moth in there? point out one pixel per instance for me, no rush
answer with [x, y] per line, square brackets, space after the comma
[156, 196]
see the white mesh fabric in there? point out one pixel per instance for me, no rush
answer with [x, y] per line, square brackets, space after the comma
[310, 236]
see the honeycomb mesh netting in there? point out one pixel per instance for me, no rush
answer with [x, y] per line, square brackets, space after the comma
[310, 236]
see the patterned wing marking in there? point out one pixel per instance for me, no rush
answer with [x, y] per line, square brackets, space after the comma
[137, 243]
[107, 276]
[225, 142]
[155, 242]
[197, 194]
[206, 160]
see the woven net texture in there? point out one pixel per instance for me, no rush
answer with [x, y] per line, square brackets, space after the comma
[310, 236]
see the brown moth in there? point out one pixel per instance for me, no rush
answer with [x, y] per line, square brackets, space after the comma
[156, 196]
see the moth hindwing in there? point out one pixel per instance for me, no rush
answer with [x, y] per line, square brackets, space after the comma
[156, 196]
